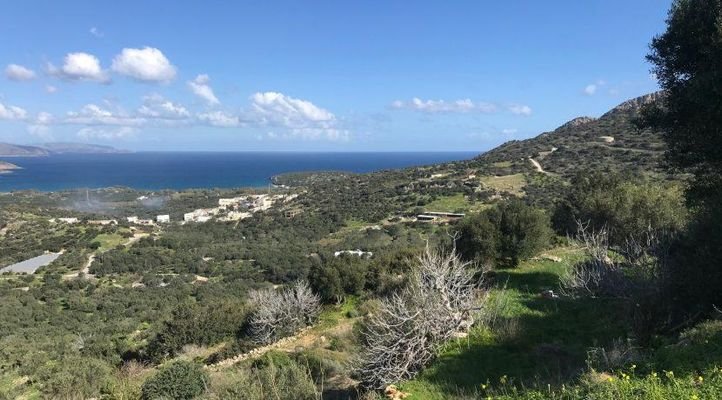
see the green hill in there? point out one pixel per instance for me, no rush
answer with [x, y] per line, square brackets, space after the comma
[610, 142]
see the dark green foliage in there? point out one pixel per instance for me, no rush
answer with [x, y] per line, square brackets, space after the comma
[505, 234]
[74, 377]
[274, 376]
[178, 380]
[336, 277]
[625, 205]
[687, 61]
[524, 231]
[697, 272]
[478, 238]
[199, 325]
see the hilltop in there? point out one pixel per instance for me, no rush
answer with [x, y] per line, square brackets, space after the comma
[610, 142]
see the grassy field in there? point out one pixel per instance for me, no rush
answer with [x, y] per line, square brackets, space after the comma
[513, 184]
[457, 202]
[538, 347]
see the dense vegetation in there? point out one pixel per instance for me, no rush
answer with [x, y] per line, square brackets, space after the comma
[596, 278]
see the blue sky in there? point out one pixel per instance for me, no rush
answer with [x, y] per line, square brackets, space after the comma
[316, 75]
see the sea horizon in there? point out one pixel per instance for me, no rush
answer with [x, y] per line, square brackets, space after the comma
[179, 170]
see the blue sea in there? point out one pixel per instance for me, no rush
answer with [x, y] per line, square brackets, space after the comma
[183, 170]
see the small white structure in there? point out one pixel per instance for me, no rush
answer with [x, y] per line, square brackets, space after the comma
[356, 252]
[200, 215]
[132, 220]
[103, 222]
[163, 219]
[69, 220]
[231, 202]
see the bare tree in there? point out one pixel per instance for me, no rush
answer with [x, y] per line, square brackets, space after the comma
[403, 335]
[598, 275]
[280, 313]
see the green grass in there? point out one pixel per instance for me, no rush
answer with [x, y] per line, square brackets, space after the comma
[13, 386]
[109, 240]
[332, 315]
[457, 202]
[537, 349]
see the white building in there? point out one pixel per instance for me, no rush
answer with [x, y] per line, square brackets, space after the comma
[356, 252]
[69, 220]
[200, 215]
[103, 222]
[163, 219]
[132, 220]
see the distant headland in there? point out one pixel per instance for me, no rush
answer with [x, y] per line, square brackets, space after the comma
[46, 149]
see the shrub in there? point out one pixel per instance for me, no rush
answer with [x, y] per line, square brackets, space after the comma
[274, 376]
[506, 234]
[74, 377]
[178, 380]
[623, 206]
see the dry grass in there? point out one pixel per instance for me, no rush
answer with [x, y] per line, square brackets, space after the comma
[513, 184]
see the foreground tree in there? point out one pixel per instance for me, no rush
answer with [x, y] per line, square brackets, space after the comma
[403, 335]
[687, 61]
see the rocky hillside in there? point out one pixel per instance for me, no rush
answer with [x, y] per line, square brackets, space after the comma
[610, 142]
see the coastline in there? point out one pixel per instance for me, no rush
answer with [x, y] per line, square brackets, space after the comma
[201, 170]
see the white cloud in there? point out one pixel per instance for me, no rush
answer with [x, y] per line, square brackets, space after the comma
[92, 114]
[147, 65]
[276, 107]
[302, 118]
[509, 131]
[105, 133]
[520, 109]
[40, 131]
[16, 72]
[443, 106]
[220, 119]
[51, 89]
[40, 126]
[96, 32]
[12, 112]
[199, 86]
[155, 106]
[81, 67]
[590, 89]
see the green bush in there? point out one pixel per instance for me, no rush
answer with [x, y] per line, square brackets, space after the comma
[626, 206]
[178, 380]
[273, 376]
[505, 234]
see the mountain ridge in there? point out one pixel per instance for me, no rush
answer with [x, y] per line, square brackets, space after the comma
[610, 142]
